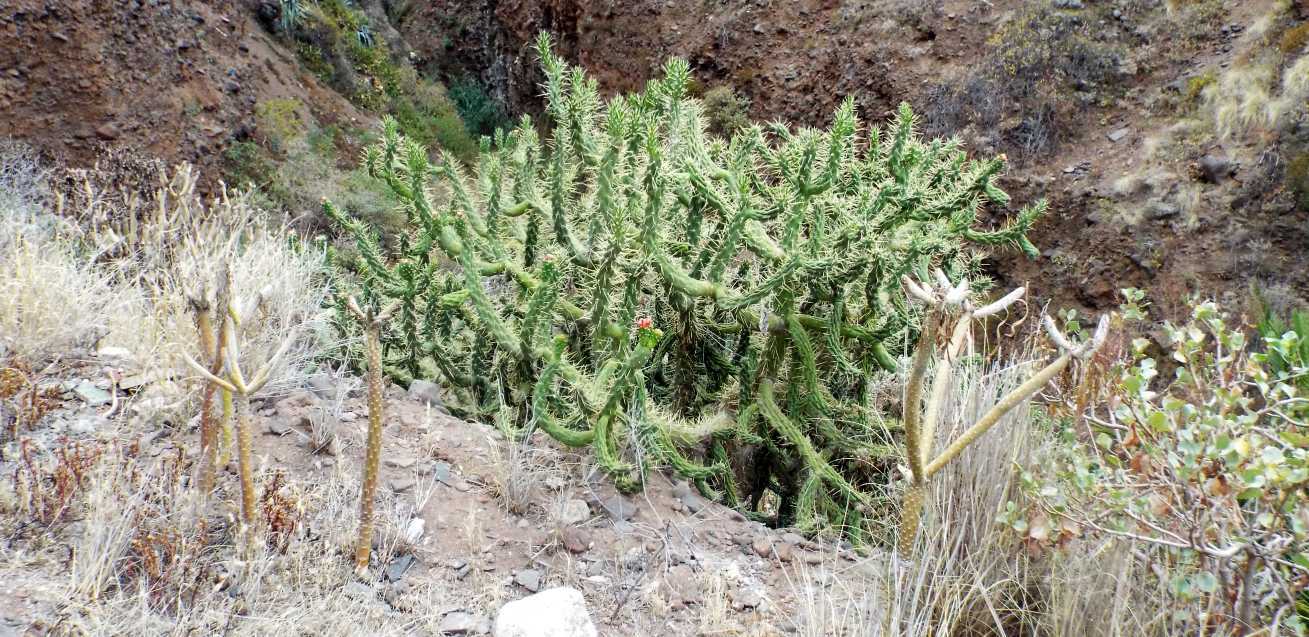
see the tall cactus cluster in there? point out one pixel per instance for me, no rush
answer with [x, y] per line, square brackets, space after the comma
[714, 306]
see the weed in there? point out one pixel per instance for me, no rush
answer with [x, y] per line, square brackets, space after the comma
[481, 113]
[279, 121]
[726, 111]
[48, 489]
[1294, 39]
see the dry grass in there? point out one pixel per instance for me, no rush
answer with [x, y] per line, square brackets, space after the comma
[127, 262]
[972, 575]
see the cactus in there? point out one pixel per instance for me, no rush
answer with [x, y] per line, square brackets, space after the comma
[372, 323]
[533, 283]
[946, 301]
[211, 344]
[241, 387]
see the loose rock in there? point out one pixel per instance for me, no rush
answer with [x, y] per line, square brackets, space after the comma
[426, 392]
[529, 578]
[574, 511]
[460, 623]
[558, 612]
[619, 508]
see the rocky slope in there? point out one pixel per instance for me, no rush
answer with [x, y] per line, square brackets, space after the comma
[173, 79]
[795, 61]
[180, 79]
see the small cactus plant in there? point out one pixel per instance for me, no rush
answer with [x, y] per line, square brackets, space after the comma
[241, 387]
[372, 323]
[211, 345]
[946, 301]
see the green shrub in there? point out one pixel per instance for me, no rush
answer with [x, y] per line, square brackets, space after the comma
[246, 164]
[1297, 178]
[668, 298]
[1196, 85]
[279, 121]
[481, 114]
[725, 111]
[1203, 471]
[1046, 64]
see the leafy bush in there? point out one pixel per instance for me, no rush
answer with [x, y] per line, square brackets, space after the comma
[480, 112]
[725, 111]
[279, 121]
[1046, 63]
[666, 297]
[1204, 473]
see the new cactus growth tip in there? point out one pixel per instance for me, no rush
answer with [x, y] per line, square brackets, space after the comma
[765, 268]
[945, 301]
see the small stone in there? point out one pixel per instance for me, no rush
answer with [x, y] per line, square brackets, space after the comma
[398, 566]
[558, 612]
[402, 485]
[426, 392]
[810, 558]
[694, 503]
[1213, 169]
[746, 598]
[116, 354]
[90, 394]
[459, 623]
[1068, 4]
[619, 508]
[414, 532]
[349, 416]
[574, 511]
[529, 578]
[279, 428]
[681, 581]
[575, 540]
[1157, 210]
[793, 539]
[87, 425]
[1118, 135]
[762, 546]
[783, 551]
[322, 385]
[107, 131]
[400, 462]
[681, 490]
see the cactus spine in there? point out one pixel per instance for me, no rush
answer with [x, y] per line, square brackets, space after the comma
[946, 301]
[771, 259]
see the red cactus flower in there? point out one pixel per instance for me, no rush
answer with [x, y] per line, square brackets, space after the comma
[644, 323]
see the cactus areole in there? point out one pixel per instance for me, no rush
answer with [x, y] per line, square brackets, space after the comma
[673, 299]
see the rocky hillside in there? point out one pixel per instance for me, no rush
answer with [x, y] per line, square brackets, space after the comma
[1111, 109]
[1101, 105]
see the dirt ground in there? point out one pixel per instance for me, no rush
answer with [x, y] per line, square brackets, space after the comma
[467, 522]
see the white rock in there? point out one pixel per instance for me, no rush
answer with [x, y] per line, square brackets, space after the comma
[574, 511]
[414, 531]
[557, 612]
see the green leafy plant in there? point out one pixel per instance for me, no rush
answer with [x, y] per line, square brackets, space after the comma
[1204, 473]
[669, 298]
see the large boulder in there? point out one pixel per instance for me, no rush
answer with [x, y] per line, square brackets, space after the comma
[557, 612]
